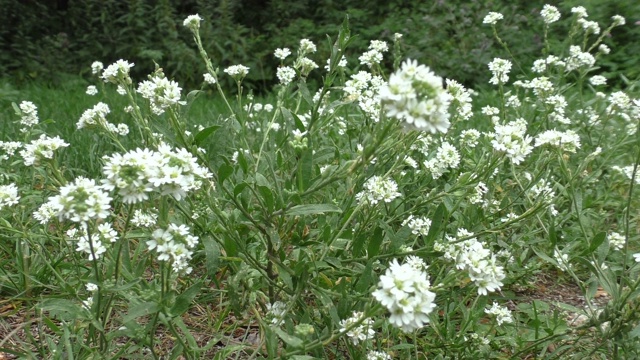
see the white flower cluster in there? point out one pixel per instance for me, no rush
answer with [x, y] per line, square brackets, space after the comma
[461, 99]
[543, 192]
[174, 244]
[598, 80]
[378, 189]
[565, 140]
[550, 14]
[471, 255]
[492, 18]
[447, 157]
[161, 93]
[80, 201]
[578, 59]
[143, 219]
[616, 240]
[41, 148]
[91, 90]
[8, 195]
[238, 72]
[29, 114]
[96, 244]
[627, 171]
[418, 225]
[365, 88]
[470, 137]
[500, 69]
[359, 333]
[285, 74]
[580, 11]
[168, 171]
[305, 65]
[192, 22]
[342, 63]
[502, 314]
[281, 53]
[276, 312]
[306, 47]
[373, 56]
[209, 79]
[589, 27]
[97, 117]
[96, 67]
[416, 95]
[9, 147]
[404, 291]
[378, 355]
[479, 191]
[541, 65]
[118, 72]
[512, 140]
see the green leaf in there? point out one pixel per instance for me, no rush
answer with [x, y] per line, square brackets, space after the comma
[224, 172]
[313, 209]
[228, 350]
[62, 309]
[305, 169]
[436, 223]
[238, 188]
[142, 309]
[204, 134]
[374, 242]
[597, 240]
[212, 256]
[184, 300]
[365, 278]
[289, 339]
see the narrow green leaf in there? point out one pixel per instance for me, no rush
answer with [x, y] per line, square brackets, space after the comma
[204, 134]
[305, 169]
[184, 300]
[436, 223]
[212, 256]
[597, 240]
[313, 209]
[375, 241]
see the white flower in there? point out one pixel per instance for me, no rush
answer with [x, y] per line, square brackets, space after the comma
[616, 240]
[503, 315]
[91, 287]
[636, 257]
[578, 59]
[418, 225]
[118, 71]
[492, 18]
[378, 189]
[8, 195]
[378, 355]
[415, 95]
[404, 291]
[282, 53]
[41, 148]
[276, 312]
[29, 114]
[512, 140]
[550, 14]
[500, 69]
[161, 92]
[209, 79]
[580, 11]
[618, 20]
[143, 219]
[306, 47]
[96, 67]
[358, 333]
[81, 201]
[597, 80]
[567, 140]
[237, 72]
[91, 90]
[192, 22]
[95, 116]
[285, 74]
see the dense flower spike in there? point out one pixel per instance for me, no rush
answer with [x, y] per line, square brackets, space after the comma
[378, 189]
[41, 149]
[415, 95]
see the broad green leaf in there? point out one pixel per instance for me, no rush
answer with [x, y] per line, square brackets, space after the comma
[204, 134]
[288, 339]
[375, 241]
[62, 309]
[142, 309]
[224, 172]
[312, 209]
[436, 223]
[212, 255]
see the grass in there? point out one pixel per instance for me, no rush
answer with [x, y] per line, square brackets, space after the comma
[293, 232]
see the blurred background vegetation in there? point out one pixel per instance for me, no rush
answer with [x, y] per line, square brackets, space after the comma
[47, 41]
